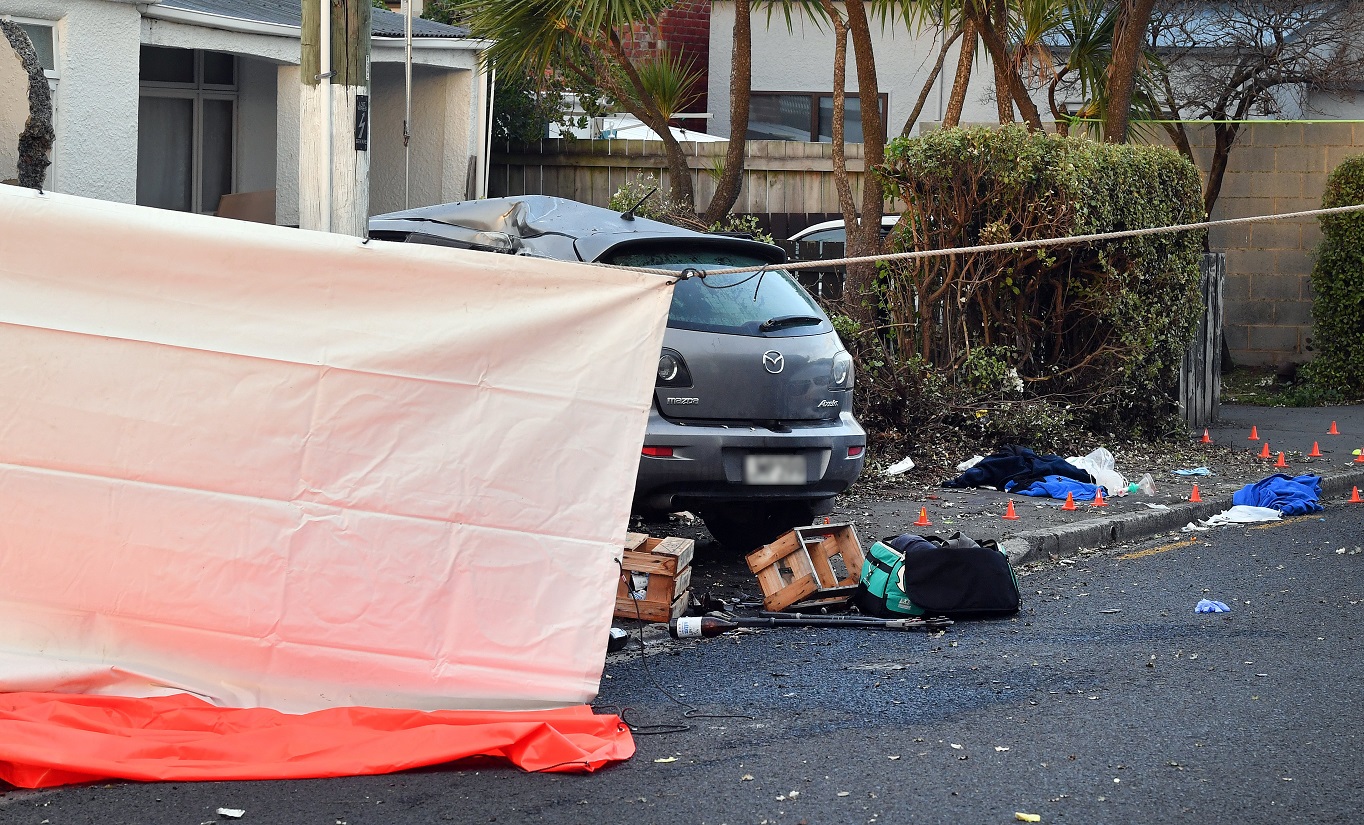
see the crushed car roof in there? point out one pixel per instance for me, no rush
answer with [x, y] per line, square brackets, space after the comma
[552, 227]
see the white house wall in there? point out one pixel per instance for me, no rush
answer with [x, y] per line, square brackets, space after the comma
[287, 151]
[1329, 106]
[461, 129]
[13, 109]
[802, 60]
[95, 153]
[96, 146]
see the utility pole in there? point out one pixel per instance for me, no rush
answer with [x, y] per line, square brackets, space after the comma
[334, 130]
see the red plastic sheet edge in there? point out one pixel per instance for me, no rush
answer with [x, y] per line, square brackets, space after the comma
[49, 739]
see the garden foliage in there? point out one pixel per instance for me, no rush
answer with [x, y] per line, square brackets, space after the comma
[1337, 372]
[1028, 345]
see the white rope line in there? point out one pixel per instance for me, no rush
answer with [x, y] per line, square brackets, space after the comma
[1010, 245]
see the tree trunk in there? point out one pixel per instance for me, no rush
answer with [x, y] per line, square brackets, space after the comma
[35, 142]
[1128, 39]
[864, 237]
[1225, 139]
[642, 107]
[740, 86]
[999, 53]
[840, 158]
[927, 88]
[1004, 105]
[957, 101]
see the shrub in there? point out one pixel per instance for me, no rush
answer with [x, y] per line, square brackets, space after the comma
[1337, 372]
[1041, 340]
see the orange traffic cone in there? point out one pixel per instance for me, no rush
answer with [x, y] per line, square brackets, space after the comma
[1333, 430]
[1070, 502]
[1354, 496]
[1359, 459]
[1264, 451]
[1194, 496]
[1099, 498]
[1281, 462]
[1254, 436]
[1009, 512]
[1207, 439]
[923, 518]
[1316, 451]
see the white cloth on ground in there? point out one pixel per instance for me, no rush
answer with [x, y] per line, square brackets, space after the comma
[1239, 514]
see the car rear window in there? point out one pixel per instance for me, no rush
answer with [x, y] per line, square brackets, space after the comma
[737, 303]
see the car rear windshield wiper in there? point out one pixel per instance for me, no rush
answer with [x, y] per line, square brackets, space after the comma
[789, 321]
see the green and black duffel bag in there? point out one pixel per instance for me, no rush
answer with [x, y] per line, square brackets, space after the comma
[958, 577]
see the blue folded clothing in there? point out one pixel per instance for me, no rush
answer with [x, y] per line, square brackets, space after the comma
[1057, 487]
[1290, 496]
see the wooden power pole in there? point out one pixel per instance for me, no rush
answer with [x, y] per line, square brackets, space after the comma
[333, 193]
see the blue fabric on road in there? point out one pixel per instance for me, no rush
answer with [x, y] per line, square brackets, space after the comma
[1210, 606]
[1058, 486]
[1291, 496]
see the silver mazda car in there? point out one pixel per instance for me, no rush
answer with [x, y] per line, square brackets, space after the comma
[752, 422]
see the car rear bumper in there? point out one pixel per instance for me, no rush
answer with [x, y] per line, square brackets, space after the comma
[708, 461]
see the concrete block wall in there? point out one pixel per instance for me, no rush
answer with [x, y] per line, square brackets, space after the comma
[1273, 168]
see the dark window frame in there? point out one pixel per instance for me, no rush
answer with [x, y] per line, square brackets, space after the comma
[815, 98]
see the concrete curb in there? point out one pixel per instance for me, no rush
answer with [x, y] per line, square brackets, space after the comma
[1067, 540]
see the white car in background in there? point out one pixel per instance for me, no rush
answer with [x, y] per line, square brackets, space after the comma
[836, 232]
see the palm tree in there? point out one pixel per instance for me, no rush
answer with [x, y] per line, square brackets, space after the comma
[582, 40]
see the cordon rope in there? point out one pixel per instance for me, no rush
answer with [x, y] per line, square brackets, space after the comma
[1004, 247]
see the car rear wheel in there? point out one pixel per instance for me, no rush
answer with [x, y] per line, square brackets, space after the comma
[743, 528]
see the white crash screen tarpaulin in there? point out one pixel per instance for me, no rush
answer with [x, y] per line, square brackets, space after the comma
[288, 469]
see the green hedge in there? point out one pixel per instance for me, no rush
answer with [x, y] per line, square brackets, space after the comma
[1337, 372]
[1096, 332]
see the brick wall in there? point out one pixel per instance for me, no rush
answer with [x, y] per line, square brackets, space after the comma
[683, 30]
[686, 31]
[1274, 168]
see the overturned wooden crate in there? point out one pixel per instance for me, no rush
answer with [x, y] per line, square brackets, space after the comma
[657, 573]
[799, 567]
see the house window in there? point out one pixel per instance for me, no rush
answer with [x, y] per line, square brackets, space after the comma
[187, 114]
[44, 39]
[806, 116]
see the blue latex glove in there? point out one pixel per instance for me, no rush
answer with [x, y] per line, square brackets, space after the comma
[1209, 606]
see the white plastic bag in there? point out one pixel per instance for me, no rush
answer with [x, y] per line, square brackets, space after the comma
[1100, 464]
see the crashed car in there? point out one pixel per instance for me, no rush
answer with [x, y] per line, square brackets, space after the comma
[752, 422]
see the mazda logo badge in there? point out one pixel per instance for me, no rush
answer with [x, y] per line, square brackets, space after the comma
[773, 361]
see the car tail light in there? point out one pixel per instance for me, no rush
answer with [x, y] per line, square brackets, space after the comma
[854, 452]
[842, 376]
[672, 370]
[658, 452]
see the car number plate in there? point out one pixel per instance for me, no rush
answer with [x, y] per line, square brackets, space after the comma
[774, 469]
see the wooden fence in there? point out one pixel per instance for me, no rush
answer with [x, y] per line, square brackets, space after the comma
[780, 176]
[1200, 376]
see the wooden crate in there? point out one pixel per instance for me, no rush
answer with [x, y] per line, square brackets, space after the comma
[661, 567]
[644, 554]
[797, 568]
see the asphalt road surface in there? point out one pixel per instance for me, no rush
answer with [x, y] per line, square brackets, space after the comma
[1070, 711]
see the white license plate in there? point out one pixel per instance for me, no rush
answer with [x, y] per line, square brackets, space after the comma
[774, 469]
